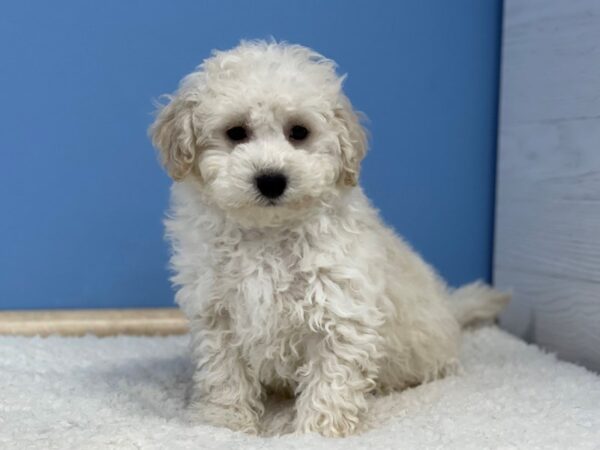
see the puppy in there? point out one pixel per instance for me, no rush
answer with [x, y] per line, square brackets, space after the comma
[291, 282]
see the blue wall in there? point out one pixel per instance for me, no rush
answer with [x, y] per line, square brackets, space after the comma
[82, 194]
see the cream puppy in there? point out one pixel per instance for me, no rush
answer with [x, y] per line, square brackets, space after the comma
[291, 282]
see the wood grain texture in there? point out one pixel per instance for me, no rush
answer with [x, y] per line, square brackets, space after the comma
[562, 317]
[100, 322]
[547, 243]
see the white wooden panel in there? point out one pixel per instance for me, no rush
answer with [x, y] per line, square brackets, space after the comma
[547, 245]
[550, 65]
[549, 199]
[558, 313]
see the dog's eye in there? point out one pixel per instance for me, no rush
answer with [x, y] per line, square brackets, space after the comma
[298, 133]
[237, 134]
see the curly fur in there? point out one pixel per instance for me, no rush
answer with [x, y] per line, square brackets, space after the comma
[310, 296]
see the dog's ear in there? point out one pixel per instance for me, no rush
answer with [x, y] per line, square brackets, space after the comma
[353, 141]
[173, 135]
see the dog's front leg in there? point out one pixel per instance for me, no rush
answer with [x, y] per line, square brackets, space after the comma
[340, 371]
[226, 392]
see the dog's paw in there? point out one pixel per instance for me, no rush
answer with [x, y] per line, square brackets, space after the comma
[235, 418]
[330, 424]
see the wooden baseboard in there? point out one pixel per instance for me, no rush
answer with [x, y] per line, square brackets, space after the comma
[100, 322]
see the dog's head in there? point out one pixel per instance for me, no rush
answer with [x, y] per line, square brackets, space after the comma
[264, 131]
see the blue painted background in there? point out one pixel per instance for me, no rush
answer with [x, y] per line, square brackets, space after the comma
[81, 192]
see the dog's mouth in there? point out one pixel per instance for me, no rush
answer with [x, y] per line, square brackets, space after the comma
[263, 202]
[288, 200]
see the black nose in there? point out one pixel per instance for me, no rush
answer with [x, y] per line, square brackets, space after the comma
[271, 185]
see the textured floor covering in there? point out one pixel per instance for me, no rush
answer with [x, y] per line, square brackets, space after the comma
[127, 392]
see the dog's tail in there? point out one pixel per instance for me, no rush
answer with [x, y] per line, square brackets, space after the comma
[477, 303]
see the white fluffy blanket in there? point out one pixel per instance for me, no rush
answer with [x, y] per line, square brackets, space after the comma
[128, 392]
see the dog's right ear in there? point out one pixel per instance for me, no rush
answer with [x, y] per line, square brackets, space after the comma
[173, 135]
[353, 141]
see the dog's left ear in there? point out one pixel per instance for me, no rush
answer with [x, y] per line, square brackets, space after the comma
[173, 135]
[353, 141]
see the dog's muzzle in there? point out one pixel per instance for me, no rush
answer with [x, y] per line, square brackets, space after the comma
[271, 185]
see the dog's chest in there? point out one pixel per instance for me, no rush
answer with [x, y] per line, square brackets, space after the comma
[264, 291]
